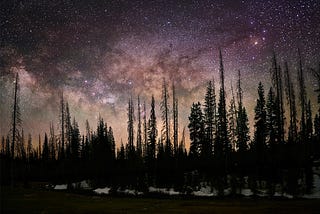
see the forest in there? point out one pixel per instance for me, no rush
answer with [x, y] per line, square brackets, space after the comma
[278, 156]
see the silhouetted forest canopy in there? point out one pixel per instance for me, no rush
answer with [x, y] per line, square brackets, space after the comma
[278, 156]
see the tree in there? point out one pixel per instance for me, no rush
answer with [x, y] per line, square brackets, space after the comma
[271, 118]
[139, 132]
[130, 129]
[276, 76]
[75, 141]
[68, 130]
[309, 125]
[145, 130]
[88, 130]
[16, 117]
[3, 146]
[182, 148]
[316, 74]
[232, 120]
[52, 143]
[62, 125]
[209, 121]
[21, 153]
[222, 145]
[8, 152]
[242, 122]
[39, 149]
[152, 132]
[317, 126]
[121, 153]
[196, 129]
[45, 151]
[260, 120]
[302, 96]
[112, 143]
[175, 120]
[291, 99]
[164, 107]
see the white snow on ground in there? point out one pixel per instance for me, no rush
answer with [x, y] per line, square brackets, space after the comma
[81, 185]
[246, 192]
[164, 191]
[316, 190]
[84, 185]
[172, 192]
[227, 191]
[204, 192]
[105, 190]
[278, 194]
[262, 192]
[130, 192]
[61, 187]
[287, 195]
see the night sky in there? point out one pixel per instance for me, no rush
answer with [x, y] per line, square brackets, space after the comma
[101, 52]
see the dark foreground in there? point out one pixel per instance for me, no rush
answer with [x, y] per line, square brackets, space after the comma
[42, 201]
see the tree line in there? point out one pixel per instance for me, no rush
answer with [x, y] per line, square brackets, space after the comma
[221, 155]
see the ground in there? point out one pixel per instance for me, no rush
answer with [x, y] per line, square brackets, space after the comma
[20, 200]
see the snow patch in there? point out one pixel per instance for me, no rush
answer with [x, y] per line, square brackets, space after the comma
[204, 192]
[246, 192]
[262, 193]
[287, 196]
[316, 190]
[61, 187]
[227, 191]
[100, 191]
[84, 185]
[129, 192]
[164, 191]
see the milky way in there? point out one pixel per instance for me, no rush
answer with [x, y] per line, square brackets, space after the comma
[99, 53]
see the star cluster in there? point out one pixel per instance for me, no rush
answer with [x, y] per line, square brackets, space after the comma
[101, 52]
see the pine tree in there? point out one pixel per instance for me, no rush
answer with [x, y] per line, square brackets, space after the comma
[291, 99]
[52, 143]
[232, 118]
[130, 129]
[75, 141]
[209, 117]
[39, 149]
[196, 129]
[316, 74]
[182, 148]
[21, 153]
[62, 125]
[260, 120]
[139, 132]
[271, 119]
[152, 132]
[121, 153]
[222, 145]
[317, 126]
[276, 75]
[45, 151]
[8, 151]
[145, 130]
[68, 130]
[309, 125]
[16, 118]
[242, 121]
[88, 130]
[112, 143]
[175, 120]
[164, 106]
[302, 96]
[3, 146]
